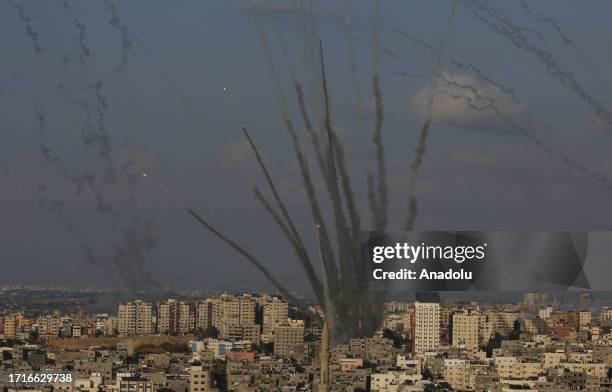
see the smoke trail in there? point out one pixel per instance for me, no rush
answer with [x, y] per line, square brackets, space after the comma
[342, 229]
[380, 222]
[101, 137]
[297, 247]
[57, 206]
[300, 249]
[337, 155]
[378, 203]
[323, 167]
[524, 132]
[297, 149]
[471, 67]
[283, 46]
[412, 39]
[328, 256]
[400, 73]
[26, 19]
[501, 24]
[273, 73]
[162, 71]
[277, 219]
[84, 49]
[129, 256]
[593, 68]
[309, 128]
[246, 255]
[376, 60]
[545, 19]
[422, 144]
[308, 40]
[80, 182]
[348, 24]
[126, 44]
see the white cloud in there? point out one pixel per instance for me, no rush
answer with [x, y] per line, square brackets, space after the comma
[457, 98]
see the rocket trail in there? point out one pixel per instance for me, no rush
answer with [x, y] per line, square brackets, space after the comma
[299, 245]
[526, 133]
[342, 228]
[246, 255]
[422, 144]
[545, 19]
[309, 128]
[348, 24]
[499, 22]
[307, 265]
[126, 44]
[471, 67]
[383, 194]
[26, 19]
[400, 73]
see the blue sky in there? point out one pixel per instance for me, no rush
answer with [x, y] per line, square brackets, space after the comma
[197, 72]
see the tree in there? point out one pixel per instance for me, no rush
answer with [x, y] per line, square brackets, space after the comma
[427, 374]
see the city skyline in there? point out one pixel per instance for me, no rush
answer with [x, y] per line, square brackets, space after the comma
[237, 342]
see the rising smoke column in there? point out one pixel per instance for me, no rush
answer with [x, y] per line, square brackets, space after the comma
[346, 301]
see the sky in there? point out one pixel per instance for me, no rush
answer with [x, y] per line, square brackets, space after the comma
[125, 88]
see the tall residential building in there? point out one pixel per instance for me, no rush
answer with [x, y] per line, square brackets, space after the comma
[48, 326]
[584, 319]
[606, 314]
[545, 313]
[275, 313]
[228, 310]
[426, 329]
[203, 314]
[246, 332]
[10, 324]
[286, 339]
[465, 330]
[173, 317]
[200, 379]
[135, 318]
